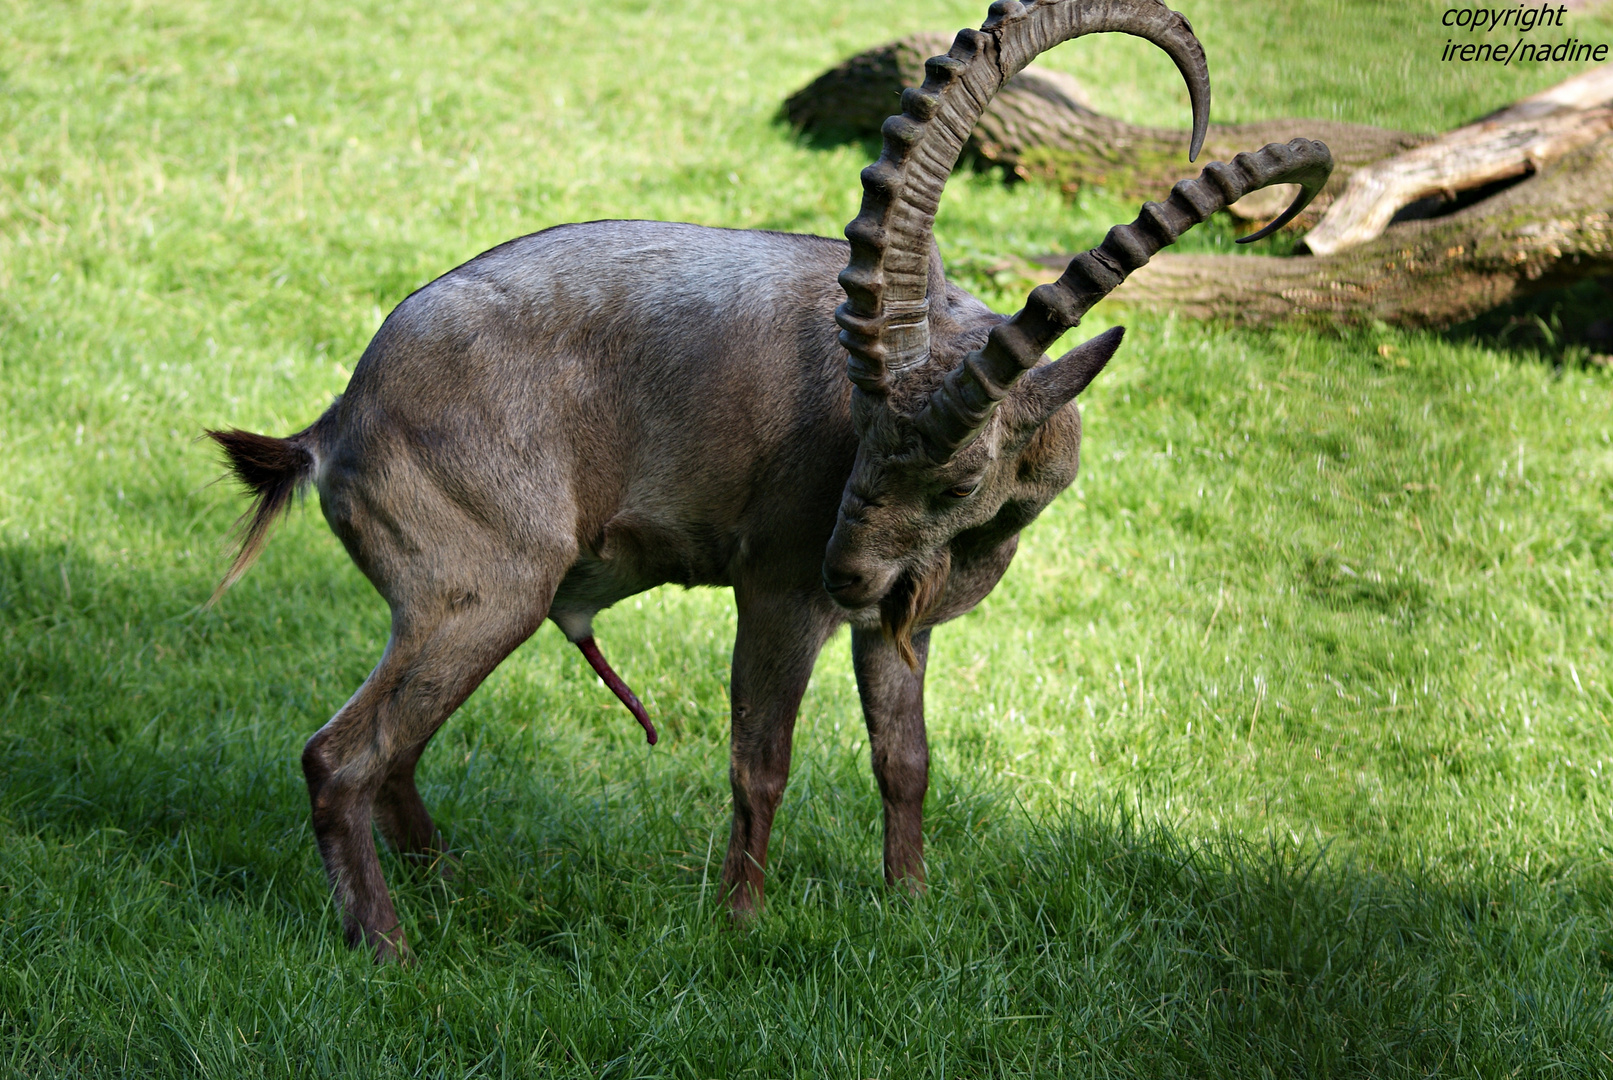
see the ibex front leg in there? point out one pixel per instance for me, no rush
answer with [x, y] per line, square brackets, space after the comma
[779, 638]
[893, 705]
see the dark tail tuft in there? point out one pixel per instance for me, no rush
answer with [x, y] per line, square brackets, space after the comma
[273, 470]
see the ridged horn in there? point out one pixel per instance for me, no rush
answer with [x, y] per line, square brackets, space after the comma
[885, 319]
[960, 407]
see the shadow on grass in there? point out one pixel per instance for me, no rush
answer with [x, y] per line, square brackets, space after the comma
[126, 708]
[870, 144]
[153, 811]
[832, 137]
[1568, 327]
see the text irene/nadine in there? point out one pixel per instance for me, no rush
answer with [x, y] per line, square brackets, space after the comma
[1523, 52]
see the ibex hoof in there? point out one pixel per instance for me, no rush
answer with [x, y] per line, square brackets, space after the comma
[391, 947]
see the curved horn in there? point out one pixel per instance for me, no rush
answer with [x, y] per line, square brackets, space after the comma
[885, 319]
[959, 408]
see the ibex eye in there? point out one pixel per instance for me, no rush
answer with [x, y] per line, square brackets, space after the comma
[963, 491]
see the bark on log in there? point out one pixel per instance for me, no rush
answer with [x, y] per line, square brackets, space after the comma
[1550, 230]
[1515, 141]
[1040, 126]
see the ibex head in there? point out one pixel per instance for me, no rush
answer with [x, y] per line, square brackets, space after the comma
[911, 494]
[960, 422]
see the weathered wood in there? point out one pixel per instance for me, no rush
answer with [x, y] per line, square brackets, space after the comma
[1515, 141]
[856, 96]
[1040, 126]
[1550, 230]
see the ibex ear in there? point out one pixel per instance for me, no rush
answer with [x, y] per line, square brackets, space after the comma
[1049, 388]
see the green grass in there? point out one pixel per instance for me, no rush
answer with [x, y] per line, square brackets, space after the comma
[1280, 751]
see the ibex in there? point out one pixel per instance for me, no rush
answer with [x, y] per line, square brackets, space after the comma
[593, 410]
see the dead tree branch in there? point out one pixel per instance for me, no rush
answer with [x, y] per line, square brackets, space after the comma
[1552, 230]
[1513, 142]
[1041, 127]
[1480, 244]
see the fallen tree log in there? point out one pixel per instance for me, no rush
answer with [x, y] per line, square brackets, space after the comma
[1040, 126]
[1552, 227]
[1512, 142]
[1551, 230]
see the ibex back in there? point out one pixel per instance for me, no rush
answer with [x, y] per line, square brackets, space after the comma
[588, 412]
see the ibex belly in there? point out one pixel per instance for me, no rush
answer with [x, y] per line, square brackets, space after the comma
[630, 555]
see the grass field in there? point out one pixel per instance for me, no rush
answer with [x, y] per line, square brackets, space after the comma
[1280, 751]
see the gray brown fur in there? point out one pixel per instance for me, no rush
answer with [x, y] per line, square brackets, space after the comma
[585, 413]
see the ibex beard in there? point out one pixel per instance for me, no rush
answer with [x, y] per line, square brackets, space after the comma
[591, 411]
[912, 598]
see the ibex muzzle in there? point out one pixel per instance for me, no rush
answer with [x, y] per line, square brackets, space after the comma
[584, 413]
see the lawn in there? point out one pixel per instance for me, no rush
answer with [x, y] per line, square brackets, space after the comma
[1281, 749]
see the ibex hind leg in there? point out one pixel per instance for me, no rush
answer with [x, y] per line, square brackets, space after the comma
[401, 815]
[360, 766]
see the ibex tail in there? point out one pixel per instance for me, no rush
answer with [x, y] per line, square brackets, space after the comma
[273, 470]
